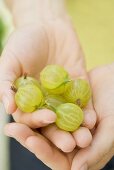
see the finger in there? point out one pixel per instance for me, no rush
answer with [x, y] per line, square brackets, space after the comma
[63, 140]
[101, 144]
[89, 117]
[18, 131]
[9, 70]
[38, 145]
[82, 137]
[39, 118]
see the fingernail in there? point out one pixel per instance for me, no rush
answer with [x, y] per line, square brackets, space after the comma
[84, 167]
[6, 103]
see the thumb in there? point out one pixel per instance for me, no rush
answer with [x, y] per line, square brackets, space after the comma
[8, 73]
[98, 154]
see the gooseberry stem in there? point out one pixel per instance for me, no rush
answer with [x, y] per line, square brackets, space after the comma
[25, 75]
[67, 80]
[78, 102]
[14, 89]
[54, 108]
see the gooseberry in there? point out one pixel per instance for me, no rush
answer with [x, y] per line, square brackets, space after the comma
[69, 117]
[78, 91]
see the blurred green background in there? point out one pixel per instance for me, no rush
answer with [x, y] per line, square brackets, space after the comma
[2, 33]
[6, 26]
[94, 23]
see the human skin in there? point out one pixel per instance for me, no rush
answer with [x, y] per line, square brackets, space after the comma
[101, 150]
[40, 39]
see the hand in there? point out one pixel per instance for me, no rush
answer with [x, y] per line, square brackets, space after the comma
[101, 150]
[29, 49]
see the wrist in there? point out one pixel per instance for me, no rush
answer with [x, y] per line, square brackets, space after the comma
[35, 11]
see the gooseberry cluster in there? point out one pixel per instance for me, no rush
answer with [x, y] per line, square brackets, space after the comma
[56, 91]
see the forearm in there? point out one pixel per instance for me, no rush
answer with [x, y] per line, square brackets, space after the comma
[33, 11]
